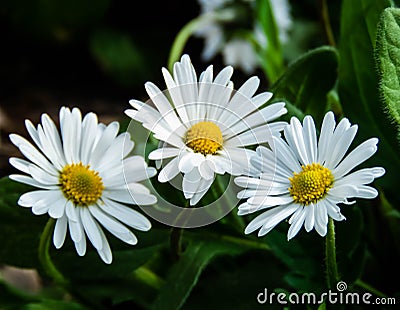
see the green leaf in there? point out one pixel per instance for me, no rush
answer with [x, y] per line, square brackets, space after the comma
[19, 229]
[230, 282]
[308, 81]
[303, 256]
[184, 275]
[387, 55]
[48, 304]
[119, 281]
[271, 54]
[358, 82]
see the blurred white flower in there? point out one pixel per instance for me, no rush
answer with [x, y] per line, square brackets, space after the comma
[84, 178]
[222, 37]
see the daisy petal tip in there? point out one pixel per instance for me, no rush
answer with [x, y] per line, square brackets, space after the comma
[151, 172]
[378, 172]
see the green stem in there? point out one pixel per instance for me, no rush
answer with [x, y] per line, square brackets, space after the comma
[331, 265]
[237, 221]
[176, 235]
[326, 22]
[148, 277]
[180, 41]
[44, 255]
[369, 288]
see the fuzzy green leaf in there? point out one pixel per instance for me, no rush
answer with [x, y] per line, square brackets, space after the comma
[387, 55]
[358, 83]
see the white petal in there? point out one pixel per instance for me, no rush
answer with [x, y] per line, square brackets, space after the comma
[71, 211]
[363, 176]
[125, 196]
[270, 200]
[367, 192]
[190, 160]
[30, 198]
[224, 76]
[191, 182]
[104, 143]
[239, 159]
[206, 169]
[20, 164]
[246, 208]
[321, 218]
[340, 147]
[252, 136]
[42, 176]
[76, 230]
[80, 246]
[271, 217]
[163, 153]
[295, 139]
[105, 252]
[31, 153]
[51, 132]
[126, 215]
[60, 231]
[360, 154]
[163, 105]
[89, 129]
[175, 94]
[57, 208]
[28, 180]
[113, 226]
[297, 223]
[285, 155]
[334, 212]
[344, 191]
[201, 191]
[328, 125]
[91, 228]
[309, 220]
[310, 138]
[169, 171]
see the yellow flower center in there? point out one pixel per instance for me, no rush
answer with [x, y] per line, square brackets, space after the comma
[311, 184]
[80, 184]
[205, 138]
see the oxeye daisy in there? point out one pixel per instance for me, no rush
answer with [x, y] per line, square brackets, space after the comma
[85, 178]
[205, 125]
[305, 180]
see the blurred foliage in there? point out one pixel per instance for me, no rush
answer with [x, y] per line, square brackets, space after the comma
[218, 267]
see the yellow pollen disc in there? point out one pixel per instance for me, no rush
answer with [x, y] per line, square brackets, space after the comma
[311, 184]
[205, 138]
[80, 184]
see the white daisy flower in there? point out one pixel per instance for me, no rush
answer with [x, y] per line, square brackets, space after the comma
[84, 178]
[283, 19]
[306, 180]
[205, 125]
